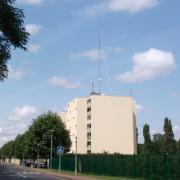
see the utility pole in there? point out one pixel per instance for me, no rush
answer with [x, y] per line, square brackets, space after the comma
[38, 151]
[51, 152]
[76, 156]
[59, 162]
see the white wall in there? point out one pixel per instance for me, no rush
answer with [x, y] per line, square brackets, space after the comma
[113, 125]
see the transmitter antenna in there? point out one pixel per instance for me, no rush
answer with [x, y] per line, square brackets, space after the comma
[99, 68]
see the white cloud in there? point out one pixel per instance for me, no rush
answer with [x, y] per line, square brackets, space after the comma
[34, 48]
[33, 28]
[5, 139]
[176, 130]
[8, 133]
[39, 2]
[139, 108]
[20, 113]
[131, 6]
[63, 82]
[16, 74]
[30, 2]
[149, 65]
[93, 54]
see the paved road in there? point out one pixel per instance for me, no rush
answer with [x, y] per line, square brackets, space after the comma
[8, 172]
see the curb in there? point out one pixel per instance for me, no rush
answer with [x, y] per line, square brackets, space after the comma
[47, 172]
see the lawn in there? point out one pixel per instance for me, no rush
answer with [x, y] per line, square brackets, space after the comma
[98, 177]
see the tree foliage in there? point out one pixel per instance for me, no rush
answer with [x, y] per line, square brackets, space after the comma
[147, 138]
[12, 33]
[178, 146]
[20, 146]
[37, 140]
[169, 141]
[40, 133]
[157, 143]
[137, 135]
[160, 143]
[7, 150]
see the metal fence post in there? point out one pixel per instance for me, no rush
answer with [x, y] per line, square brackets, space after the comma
[51, 154]
[165, 166]
[76, 158]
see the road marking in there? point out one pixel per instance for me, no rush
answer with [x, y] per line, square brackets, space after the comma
[21, 175]
[33, 173]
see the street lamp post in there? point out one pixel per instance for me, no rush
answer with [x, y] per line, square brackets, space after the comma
[76, 156]
[51, 152]
[38, 151]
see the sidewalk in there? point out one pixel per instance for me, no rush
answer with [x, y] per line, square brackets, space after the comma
[52, 173]
[69, 177]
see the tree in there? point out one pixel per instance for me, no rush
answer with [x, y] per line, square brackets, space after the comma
[147, 139]
[39, 137]
[16, 148]
[7, 151]
[178, 146]
[20, 146]
[36, 141]
[12, 33]
[169, 141]
[157, 143]
[137, 134]
[140, 148]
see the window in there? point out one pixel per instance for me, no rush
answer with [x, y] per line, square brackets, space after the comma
[89, 128]
[88, 144]
[88, 109]
[89, 136]
[89, 117]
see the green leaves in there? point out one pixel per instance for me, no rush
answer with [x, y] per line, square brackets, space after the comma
[12, 33]
[161, 143]
[169, 141]
[40, 134]
[7, 150]
[147, 139]
[37, 140]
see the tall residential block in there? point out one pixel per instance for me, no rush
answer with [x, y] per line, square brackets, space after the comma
[100, 123]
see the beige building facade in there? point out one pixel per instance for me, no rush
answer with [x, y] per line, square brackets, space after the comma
[100, 123]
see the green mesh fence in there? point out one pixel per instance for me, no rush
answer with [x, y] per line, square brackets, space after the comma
[154, 167]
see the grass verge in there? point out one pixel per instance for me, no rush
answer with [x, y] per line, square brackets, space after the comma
[95, 176]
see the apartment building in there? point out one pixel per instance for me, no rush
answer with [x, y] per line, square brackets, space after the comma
[100, 123]
[75, 119]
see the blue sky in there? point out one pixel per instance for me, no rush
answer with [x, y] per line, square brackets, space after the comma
[139, 51]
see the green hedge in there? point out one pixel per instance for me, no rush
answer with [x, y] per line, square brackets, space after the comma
[157, 167]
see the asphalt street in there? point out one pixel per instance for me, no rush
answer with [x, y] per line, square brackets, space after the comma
[8, 172]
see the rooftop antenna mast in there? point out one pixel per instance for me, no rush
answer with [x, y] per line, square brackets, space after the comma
[131, 92]
[92, 85]
[99, 39]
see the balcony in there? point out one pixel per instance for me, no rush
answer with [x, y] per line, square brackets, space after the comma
[88, 116]
[88, 128]
[88, 136]
[89, 109]
[89, 145]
